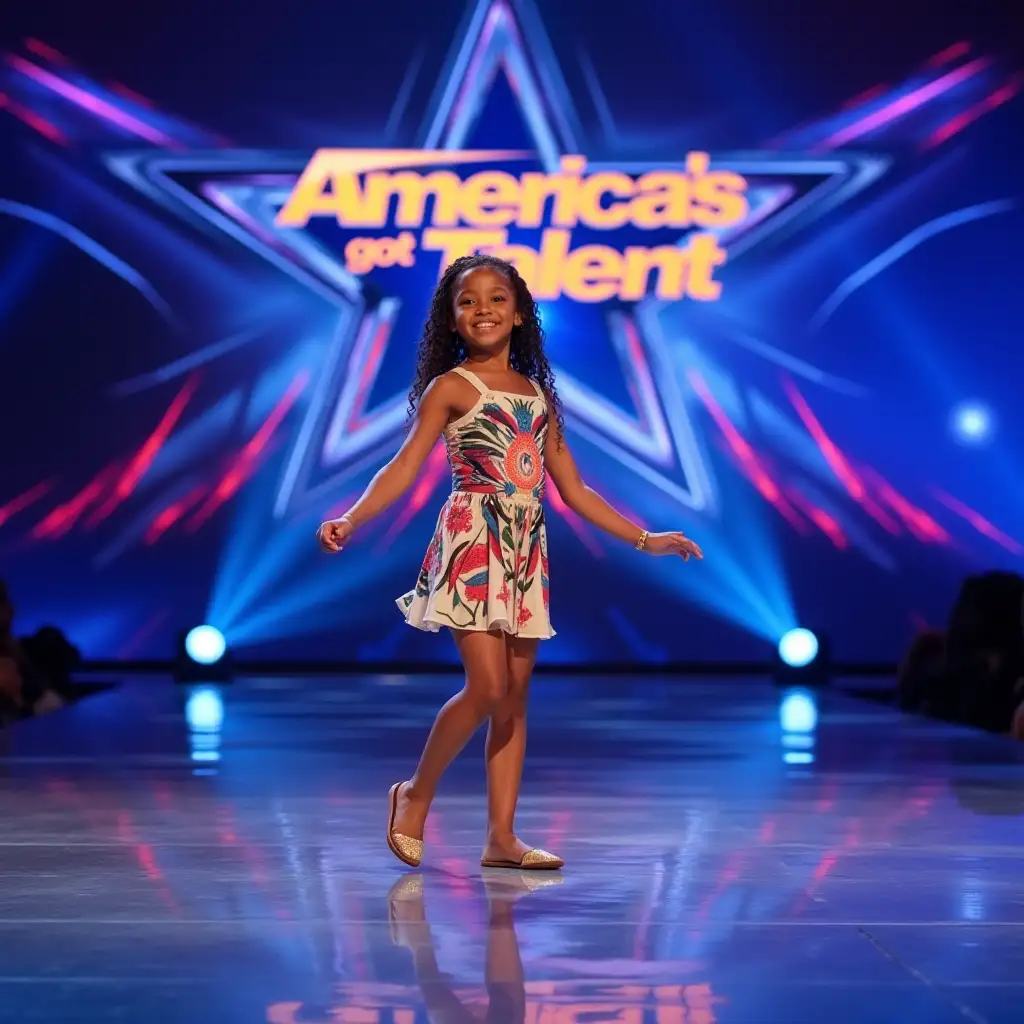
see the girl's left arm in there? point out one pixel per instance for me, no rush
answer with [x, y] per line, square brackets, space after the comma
[588, 504]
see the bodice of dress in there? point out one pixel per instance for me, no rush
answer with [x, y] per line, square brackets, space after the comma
[498, 446]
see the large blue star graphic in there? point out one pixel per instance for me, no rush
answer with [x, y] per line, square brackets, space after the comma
[358, 411]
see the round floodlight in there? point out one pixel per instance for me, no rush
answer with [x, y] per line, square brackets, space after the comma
[205, 645]
[798, 648]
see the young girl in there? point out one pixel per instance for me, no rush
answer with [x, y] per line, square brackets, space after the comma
[484, 383]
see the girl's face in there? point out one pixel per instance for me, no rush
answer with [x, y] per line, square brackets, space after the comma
[485, 309]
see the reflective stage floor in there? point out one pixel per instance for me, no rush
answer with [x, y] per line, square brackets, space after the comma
[728, 860]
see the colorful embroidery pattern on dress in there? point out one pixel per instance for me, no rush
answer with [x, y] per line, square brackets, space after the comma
[487, 564]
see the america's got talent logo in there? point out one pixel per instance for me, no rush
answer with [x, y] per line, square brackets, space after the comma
[439, 211]
[619, 241]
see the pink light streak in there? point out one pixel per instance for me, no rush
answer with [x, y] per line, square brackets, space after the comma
[957, 124]
[866, 96]
[837, 461]
[916, 520]
[23, 501]
[174, 512]
[62, 519]
[87, 101]
[41, 49]
[833, 456]
[248, 459]
[744, 453]
[822, 520]
[130, 94]
[905, 104]
[369, 373]
[145, 456]
[950, 53]
[33, 120]
[979, 522]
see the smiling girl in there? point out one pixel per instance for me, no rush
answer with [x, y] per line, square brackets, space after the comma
[484, 384]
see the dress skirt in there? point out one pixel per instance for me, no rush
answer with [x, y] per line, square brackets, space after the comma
[486, 568]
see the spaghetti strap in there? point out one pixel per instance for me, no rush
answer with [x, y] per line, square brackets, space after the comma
[472, 378]
[538, 389]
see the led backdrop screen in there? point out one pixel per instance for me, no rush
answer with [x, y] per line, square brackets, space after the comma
[776, 248]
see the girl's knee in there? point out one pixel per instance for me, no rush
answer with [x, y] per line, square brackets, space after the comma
[514, 703]
[487, 692]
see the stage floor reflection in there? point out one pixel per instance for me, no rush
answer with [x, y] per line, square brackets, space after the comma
[734, 854]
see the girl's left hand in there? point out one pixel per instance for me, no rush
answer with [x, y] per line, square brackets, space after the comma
[672, 544]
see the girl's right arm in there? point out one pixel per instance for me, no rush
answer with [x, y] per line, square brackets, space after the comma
[394, 479]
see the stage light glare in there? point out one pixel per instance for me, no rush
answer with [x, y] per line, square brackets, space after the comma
[798, 741]
[798, 757]
[204, 710]
[798, 648]
[205, 645]
[972, 423]
[798, 712]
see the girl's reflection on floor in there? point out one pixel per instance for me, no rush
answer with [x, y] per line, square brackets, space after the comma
[503, 970]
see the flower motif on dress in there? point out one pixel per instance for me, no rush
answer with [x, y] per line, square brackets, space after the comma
[474, 559]
[524, 616]
[432, 551]
[460, 519]
[523, 463]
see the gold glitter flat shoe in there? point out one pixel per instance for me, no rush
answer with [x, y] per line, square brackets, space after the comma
[405, 848]
[533, 860]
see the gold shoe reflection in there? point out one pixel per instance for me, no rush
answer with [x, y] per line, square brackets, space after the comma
[406, 919]
[501, 884]
[533, 860]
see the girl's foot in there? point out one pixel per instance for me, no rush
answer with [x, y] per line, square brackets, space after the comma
[510, 851]
[408, 849]
[411, 813]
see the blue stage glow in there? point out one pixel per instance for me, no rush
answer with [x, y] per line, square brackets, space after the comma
[798, 647]
[798, 712]
[972, 423]
[205, 645]
[204, 710]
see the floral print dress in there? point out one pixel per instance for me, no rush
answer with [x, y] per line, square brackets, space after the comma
[487, 564]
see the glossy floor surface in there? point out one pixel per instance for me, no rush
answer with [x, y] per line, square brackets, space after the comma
[728, 859]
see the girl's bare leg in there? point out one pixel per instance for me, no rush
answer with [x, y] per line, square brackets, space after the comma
[503, 969]
[483, 657]
[506, 749]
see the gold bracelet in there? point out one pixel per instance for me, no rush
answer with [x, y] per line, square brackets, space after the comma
[642, 542]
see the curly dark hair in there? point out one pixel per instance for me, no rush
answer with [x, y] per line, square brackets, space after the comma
[442, 349]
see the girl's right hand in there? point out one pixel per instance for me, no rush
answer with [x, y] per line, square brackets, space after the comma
[333, 534]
